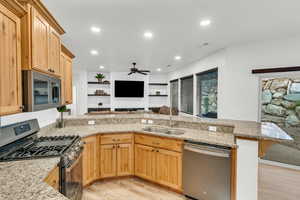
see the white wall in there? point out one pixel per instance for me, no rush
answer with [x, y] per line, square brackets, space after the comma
[45, 117]
[238, 89]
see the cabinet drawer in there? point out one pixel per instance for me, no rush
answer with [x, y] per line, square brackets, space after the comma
[116, 138]
[165, 143]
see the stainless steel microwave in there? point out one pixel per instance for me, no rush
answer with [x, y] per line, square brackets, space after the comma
[40, 91]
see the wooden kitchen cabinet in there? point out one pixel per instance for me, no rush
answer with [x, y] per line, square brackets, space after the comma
[169, 168]
[10, 58]
[154, 161]
[54, 52]
[108, 161]
[124, 159]
[41, 43]
[116, 155]
[66, 65]
[91, 165]
[53, 178]
[145, 162]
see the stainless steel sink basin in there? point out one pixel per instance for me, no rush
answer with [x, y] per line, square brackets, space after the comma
[169, 131]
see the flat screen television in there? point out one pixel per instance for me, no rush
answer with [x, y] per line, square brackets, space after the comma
[129, 89]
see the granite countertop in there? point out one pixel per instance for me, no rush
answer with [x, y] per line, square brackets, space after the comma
[24, 180]
[248, 129]
[224, 139]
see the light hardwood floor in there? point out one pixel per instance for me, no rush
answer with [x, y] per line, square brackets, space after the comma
[128, 189]
[277, 183]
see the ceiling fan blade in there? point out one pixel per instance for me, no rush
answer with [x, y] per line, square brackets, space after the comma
[145, 71]
[142, 73]
[130, 73]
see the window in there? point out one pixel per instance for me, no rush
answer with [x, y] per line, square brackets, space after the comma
[187, 95]
[174, 93]
[207, 93]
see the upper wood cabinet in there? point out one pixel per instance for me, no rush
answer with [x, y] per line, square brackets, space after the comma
[54, 52]
[10, 57]
[41, 43]
[66, 65]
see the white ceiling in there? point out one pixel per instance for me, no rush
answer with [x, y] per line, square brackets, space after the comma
[175, 25]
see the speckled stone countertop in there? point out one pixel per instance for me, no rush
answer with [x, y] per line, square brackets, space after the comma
[24, 180]
[224, 139]
[248, 129]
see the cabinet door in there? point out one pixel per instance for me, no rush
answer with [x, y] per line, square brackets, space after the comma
[10, 63]
[124, 159]
[62, 67]
[145, 162]
[108, 161]
[54, 52]
[68, 81]
[40, 40]
[90, 155]
[169, 168]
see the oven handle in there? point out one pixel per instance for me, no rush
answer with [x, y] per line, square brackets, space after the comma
[69, 169]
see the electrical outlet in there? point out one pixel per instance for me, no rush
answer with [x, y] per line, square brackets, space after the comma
[91, 122]
[212, 128]
[144, 121]
[150, 121]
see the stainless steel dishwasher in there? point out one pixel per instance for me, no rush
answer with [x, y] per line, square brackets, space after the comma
[206, 171]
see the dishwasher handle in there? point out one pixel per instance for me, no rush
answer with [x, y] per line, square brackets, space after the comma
[207, 151]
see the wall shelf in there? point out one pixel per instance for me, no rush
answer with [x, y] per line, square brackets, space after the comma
[160, 95]
[99, 95]
[159, 84]
[99, 83]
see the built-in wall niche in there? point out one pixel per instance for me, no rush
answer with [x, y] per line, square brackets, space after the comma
[98, 92]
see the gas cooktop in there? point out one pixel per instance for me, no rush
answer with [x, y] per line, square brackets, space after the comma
[41, 147]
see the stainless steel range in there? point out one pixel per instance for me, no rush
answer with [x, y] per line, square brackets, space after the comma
[19, 141]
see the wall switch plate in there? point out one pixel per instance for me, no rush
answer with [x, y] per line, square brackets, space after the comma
[212, 128]
[91, 122]
[144, 121]
[150, 121]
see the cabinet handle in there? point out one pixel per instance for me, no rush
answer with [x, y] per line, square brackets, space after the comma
[157, 150]
[113, 146]
[22, 107]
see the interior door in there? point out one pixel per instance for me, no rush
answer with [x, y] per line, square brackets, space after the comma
[40, 40]
[124, 159]
[10, 63]
[145, 162]
[108, 161]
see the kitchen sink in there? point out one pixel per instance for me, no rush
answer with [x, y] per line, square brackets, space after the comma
[169, 131]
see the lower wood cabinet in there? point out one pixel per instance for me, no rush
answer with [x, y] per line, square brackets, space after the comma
[53, 178]
[113, 155]
[108, 161]
[159, 165]
[116, 160]
[91, 167]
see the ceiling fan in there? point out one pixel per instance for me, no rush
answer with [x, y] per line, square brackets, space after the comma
[136, 70]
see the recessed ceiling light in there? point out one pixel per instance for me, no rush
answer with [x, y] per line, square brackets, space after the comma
[94, 52]
[101, 67]
[158, 69]
[205, 22]
[148, 35]
[95, 29]
[177, 57]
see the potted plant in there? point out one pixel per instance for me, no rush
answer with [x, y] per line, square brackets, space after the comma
[100, 77]
[61, 109]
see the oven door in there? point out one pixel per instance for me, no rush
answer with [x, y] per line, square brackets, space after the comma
[72, 180]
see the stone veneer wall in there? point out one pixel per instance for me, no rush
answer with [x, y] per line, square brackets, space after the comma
[281, 105]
